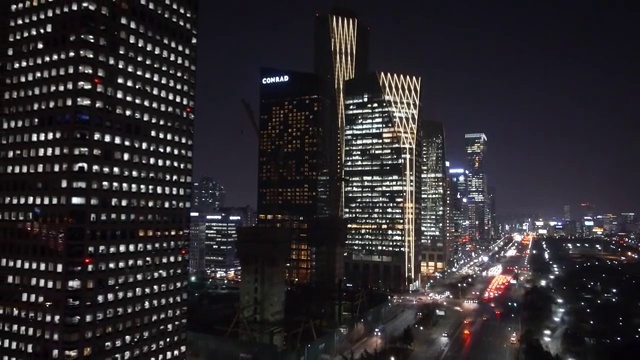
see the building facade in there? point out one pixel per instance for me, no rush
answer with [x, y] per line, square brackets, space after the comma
[382, 184]
[291, 158]
[221, 237]
[491, 205]
[341, 53]
[208, 195]
[95, 178]
[433, 198]
[478, 212]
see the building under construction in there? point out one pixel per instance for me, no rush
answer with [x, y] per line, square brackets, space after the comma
[265, 317]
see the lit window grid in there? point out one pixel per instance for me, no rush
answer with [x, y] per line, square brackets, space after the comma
[288, 161]
[402, 94]
[15, 98]
[382, 140]
[433, 192]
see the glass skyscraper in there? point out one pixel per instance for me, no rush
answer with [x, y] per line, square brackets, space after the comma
[433, 196]
[478, 211]
[95, 178]
[380, 167]
[290, 160]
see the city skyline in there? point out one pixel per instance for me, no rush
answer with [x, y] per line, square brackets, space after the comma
[481, 94]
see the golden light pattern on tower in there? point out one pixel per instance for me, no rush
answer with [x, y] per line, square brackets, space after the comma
[403, 96]
[344, 32]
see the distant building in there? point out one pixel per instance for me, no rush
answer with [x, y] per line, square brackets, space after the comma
[587, 209]
[479, 215]
[208, 195]
[493, 223]
[381, 180]
[459, 179]
[433, 198]
[628, 223]
[220, 258]
[567, 213]
[213, 239]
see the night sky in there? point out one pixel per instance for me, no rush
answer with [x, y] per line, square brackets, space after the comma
[555, 87]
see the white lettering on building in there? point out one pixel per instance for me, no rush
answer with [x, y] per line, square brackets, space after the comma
[275, 79]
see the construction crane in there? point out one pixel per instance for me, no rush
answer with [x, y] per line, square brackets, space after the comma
[251, 116]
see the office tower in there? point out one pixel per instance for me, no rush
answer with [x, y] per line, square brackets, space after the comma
[628, 223]
[220, 258]
[197, 236]
[290, 158]
[341, 53]
[455, 203]
[459, 188]
[96, 147]
[433, 197]
[493, 224]
[567, 213]
[476, 145]
[208, 195]
[382, 189]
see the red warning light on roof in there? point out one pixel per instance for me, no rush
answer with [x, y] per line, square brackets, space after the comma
[88, 261]
[97, 81]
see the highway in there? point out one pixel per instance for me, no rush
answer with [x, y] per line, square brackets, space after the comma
[480, 330]
[492, 324]
[391, 329]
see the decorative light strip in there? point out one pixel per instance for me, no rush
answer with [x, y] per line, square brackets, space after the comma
[403, 95]
[344, 33]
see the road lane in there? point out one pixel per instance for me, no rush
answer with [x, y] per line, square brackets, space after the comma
[391, 329]
[429, 343]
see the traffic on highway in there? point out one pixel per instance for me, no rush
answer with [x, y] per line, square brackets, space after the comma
[472, 314]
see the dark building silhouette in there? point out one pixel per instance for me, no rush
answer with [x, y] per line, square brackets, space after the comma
[493, 225]
[95, 177]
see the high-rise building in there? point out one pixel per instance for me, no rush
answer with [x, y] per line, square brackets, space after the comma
[382, 182]
[208, 195]
[477, 185]
[493, 223]
[341, 53]
[290, 159]
[628, 222]
[459, 201]
[567, 213]
[220, 252]
[95, 178]
[197, 236]
[433, 197]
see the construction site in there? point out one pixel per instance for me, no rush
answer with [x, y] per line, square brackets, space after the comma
[268, 319]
